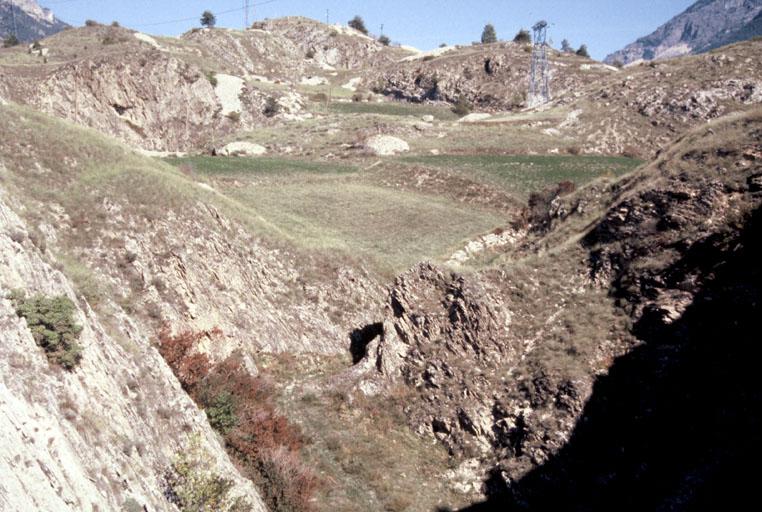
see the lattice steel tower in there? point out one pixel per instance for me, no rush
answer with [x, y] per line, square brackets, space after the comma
[539, 81]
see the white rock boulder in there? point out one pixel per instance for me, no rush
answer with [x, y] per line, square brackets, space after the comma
[241, 149]
[475, 117]
[386, 145]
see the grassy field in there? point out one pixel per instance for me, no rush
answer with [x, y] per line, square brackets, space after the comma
[520, 175]
[338, 206]
[332, 206]
[389, 108]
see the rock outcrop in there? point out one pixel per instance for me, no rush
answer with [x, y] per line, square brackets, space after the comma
[502, 362]
[29, 21]
[100, 435]
[386, 145]
[705, 25]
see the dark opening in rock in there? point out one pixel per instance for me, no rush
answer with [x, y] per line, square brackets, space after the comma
[120, 109]
[361, 338]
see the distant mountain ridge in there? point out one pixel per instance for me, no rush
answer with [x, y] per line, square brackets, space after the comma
[705, 25]
[31, 21]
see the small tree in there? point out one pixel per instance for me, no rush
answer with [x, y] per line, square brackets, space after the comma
[358, 24]
[208, 19]
[566, 46]
[523, 37]
[53, 325]
[582, 52]
[384, 40]
[488, 34]
[10, 41]
[462, 107]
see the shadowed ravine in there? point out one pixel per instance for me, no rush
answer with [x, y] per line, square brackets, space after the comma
[675, 425]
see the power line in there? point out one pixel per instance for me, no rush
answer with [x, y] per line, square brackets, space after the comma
[180, 20]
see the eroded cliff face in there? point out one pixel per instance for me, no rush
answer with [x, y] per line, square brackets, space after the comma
[505, 362]
[705, 25]
[99, 435]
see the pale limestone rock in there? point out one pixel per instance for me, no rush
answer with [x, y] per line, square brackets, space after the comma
[96, 436]
[475, 117]
[386, 145]
[242, 149]
[148, 39]
[228, 91]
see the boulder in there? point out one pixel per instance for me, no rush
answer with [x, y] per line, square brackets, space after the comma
[474, 118]
[241, 149]
[385, 145]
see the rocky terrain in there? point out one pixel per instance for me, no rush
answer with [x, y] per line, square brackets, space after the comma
[705, 25]
[490, 77]
[96, 439]
[508, 364]
[27, 20]
[283, 269]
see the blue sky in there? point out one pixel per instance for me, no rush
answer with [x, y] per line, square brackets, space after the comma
[604, 25]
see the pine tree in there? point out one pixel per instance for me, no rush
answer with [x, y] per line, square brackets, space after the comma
[566, 46]
[489, 35]
[208, 19]
[582, 52]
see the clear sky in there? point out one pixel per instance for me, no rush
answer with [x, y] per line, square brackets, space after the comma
[604, 25]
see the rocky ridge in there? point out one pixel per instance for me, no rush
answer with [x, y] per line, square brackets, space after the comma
[705, 25]
[28, 19]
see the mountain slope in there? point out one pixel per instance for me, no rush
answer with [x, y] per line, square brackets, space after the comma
[504, 363]
[28, 20]
[705, 25]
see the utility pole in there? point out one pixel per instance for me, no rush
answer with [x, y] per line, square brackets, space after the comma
[245, 14]
[13, 17]
[382, 30]
[327, 16]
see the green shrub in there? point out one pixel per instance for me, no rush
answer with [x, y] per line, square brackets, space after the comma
[51, 320]
[462, 107]
[212, 77]
[192, 485]
[358, 24]
[384, 40]
[523, 37]
[582, 52]
[91, 23]
[221, 412]
[234, 116]
[310, 54]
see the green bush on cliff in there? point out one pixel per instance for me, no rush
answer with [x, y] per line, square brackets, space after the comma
[192, 484]
[51, 320]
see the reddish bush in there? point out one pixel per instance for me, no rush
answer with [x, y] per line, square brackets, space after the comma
[189, 368]
[263, 442]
